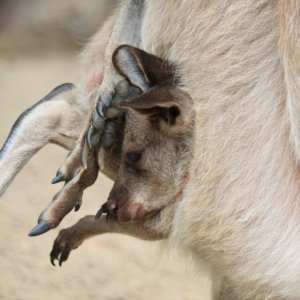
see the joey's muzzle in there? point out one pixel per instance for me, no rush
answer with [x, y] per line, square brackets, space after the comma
[125, 208]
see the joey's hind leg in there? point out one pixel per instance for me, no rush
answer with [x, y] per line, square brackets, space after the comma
[55, 119]
[71, 194]
[125, 31]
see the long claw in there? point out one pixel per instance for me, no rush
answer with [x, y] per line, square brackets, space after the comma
[64, 255]
[54, 253]
[71, 194]
[39, 229]
[102, 210]
[93, 137]
[52, 260]
[58, 178]
[80, 170]
[77, 206]
[97, 124]
[100, 109]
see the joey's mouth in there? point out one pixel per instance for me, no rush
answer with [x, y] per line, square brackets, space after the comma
[127, 212]
[135, 212]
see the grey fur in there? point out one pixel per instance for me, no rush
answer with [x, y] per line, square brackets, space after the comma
[55, 92]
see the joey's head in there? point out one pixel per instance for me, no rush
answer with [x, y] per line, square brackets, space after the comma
[158, 133]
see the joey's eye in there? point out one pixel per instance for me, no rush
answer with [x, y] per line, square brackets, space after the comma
[133, 157]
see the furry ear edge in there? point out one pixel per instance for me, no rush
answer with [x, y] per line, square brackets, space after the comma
[140, 68]
[168, 107]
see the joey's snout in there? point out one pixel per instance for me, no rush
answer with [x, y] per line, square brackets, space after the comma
[125, 208]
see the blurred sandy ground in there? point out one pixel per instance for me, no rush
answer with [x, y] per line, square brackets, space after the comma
[39, 41]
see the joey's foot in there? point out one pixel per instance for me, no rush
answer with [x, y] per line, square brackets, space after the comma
[81, 167]
[70, 196]
[97, 123]
[71, 165]
[123, 91]
[66, 241]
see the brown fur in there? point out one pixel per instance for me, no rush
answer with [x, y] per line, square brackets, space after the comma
[239, 207]
[236, 203]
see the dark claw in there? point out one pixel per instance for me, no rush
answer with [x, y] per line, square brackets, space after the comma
[102, 210]
[54, 253]
[58, 178]
[99, 109]
[77, 207]
[59, 253]
[92, 137]
[39, 229]
[64, 255]
[53, 257]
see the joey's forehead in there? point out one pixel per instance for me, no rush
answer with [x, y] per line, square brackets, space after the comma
[138, 131]
[136, 135]
[135, 126]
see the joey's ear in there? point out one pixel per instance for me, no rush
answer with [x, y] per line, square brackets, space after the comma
[142, 69]
[168, 107]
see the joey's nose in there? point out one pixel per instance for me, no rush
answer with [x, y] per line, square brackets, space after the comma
[113, 208]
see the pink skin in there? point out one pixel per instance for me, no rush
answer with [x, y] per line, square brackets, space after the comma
[130, 211]
[126, 209]
[94, 82]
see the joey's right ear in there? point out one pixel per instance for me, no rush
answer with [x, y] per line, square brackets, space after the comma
[168, 108]
[142, 69]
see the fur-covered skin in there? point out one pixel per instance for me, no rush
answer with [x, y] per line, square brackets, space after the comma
[240, 209]
[60, 118]
[54, 119]
[82, 163]
[239, 61]
[158, 132]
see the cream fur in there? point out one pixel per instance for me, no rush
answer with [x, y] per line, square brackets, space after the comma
[239, 60]
[241, 207]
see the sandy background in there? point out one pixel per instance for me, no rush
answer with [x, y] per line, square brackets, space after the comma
[109, 267]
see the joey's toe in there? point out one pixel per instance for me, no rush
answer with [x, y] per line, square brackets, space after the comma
[64, 255]
[100, 109]
[93, 137]
[65, 242]
[54, 254]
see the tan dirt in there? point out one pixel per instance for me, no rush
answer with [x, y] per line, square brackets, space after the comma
[108, 267]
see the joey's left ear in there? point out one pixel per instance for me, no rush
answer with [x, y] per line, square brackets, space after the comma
[168, 107]
[142, 69]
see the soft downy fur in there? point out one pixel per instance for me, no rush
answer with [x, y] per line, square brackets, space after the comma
[241, 207]
[58, 118]
[239, 61]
